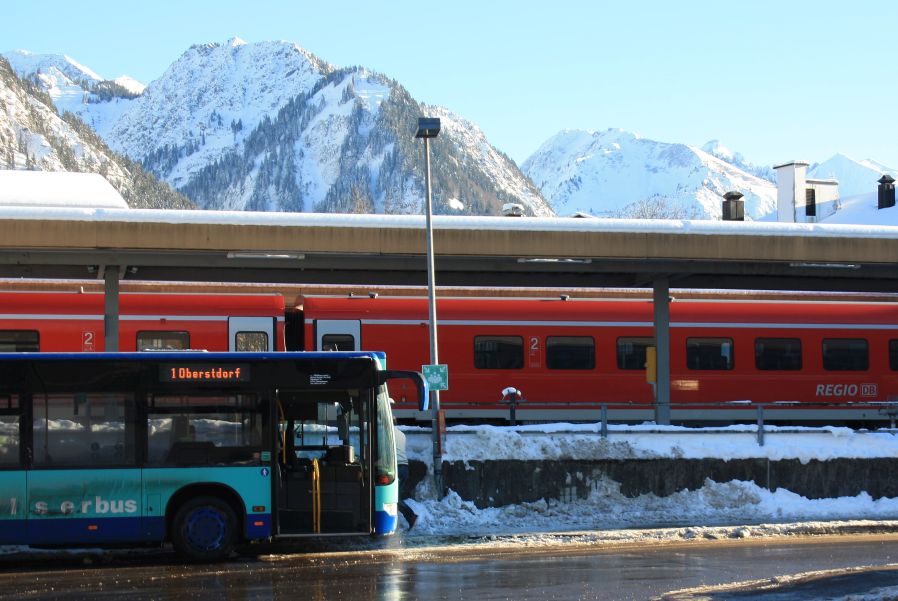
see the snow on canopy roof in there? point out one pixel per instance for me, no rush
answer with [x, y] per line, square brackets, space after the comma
[58, 189]
[445, 222]
[93, 211]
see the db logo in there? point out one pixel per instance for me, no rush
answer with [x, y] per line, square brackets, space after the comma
[869, 390]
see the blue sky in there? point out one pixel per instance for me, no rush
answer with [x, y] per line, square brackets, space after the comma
[774, 80]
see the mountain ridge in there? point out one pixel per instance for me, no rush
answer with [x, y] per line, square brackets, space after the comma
[34, 136]
[251, 126]
[616, 173]
[270, 126]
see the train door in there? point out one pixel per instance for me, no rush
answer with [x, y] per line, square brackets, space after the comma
[338, 335]
[251, 334]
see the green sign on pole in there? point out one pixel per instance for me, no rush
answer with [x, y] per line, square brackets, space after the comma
[437, 376]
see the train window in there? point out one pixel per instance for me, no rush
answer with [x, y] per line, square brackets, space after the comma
[19, 341]
[498, 352]
[631, 352]
[570, 352]
[893, 355]
[254, 342]
[845, 354]
[338, 342]
[709, 353]
[778, 354]
[163, 341]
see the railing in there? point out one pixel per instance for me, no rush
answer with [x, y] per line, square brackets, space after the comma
[761, 413]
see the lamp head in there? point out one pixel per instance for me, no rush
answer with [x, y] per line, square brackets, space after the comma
[428, 127]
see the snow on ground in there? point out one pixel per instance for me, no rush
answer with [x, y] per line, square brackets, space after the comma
[715, 504]
[776, 587]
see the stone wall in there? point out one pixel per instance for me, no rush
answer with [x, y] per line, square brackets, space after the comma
[497, 483]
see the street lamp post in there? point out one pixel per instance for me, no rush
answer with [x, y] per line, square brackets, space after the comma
[429, 128]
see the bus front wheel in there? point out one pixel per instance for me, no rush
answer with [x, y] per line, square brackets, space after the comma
[204, 529]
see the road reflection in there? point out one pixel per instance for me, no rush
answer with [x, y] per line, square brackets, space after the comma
[480, 574]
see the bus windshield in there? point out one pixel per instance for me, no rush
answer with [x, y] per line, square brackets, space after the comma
[386, 446]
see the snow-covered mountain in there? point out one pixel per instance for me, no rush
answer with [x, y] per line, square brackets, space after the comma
[615, 173]
[855, 177]
[77, 89]
[715, 148]
[269, 126]
[34, 136]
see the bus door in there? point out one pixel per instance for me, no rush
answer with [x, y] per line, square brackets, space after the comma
[251, 334]
[84, 485]
[338, 335]
[324, 459]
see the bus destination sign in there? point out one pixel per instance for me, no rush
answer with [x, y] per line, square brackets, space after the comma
[204, 372]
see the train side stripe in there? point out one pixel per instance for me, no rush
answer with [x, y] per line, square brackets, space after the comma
[789, 326]
[30, 316]
[632, 324]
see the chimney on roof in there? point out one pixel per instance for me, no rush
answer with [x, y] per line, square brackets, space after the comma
[733, 206]
[886, 191]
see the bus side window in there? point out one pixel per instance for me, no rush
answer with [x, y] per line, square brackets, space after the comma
[253, 342]
[79, 429]
[9, 431]
[213, 429]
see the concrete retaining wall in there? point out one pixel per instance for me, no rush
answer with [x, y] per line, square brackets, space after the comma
[497, 483]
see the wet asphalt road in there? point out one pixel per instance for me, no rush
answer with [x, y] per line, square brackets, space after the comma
[457, 573]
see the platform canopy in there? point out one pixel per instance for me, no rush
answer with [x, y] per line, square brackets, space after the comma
[210, 246]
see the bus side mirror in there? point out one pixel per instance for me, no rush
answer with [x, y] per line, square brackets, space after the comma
[420, 384]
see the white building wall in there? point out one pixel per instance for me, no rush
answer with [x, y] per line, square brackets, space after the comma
[790, 187]
[827, 196]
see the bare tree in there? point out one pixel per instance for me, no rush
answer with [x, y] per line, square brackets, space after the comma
[657, 207]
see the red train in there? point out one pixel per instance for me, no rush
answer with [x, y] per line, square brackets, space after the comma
[73, 321]
[804, 358]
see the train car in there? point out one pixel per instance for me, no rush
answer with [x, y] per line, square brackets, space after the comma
[804, 357]
[803, 360]
[73, 322]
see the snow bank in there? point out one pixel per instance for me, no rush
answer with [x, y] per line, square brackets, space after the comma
[583, 441]
[607, 508]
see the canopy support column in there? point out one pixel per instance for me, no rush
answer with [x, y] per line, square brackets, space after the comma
[661, 303]
[111, 278]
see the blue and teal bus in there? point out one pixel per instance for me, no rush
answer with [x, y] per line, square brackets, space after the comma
[204, 450]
